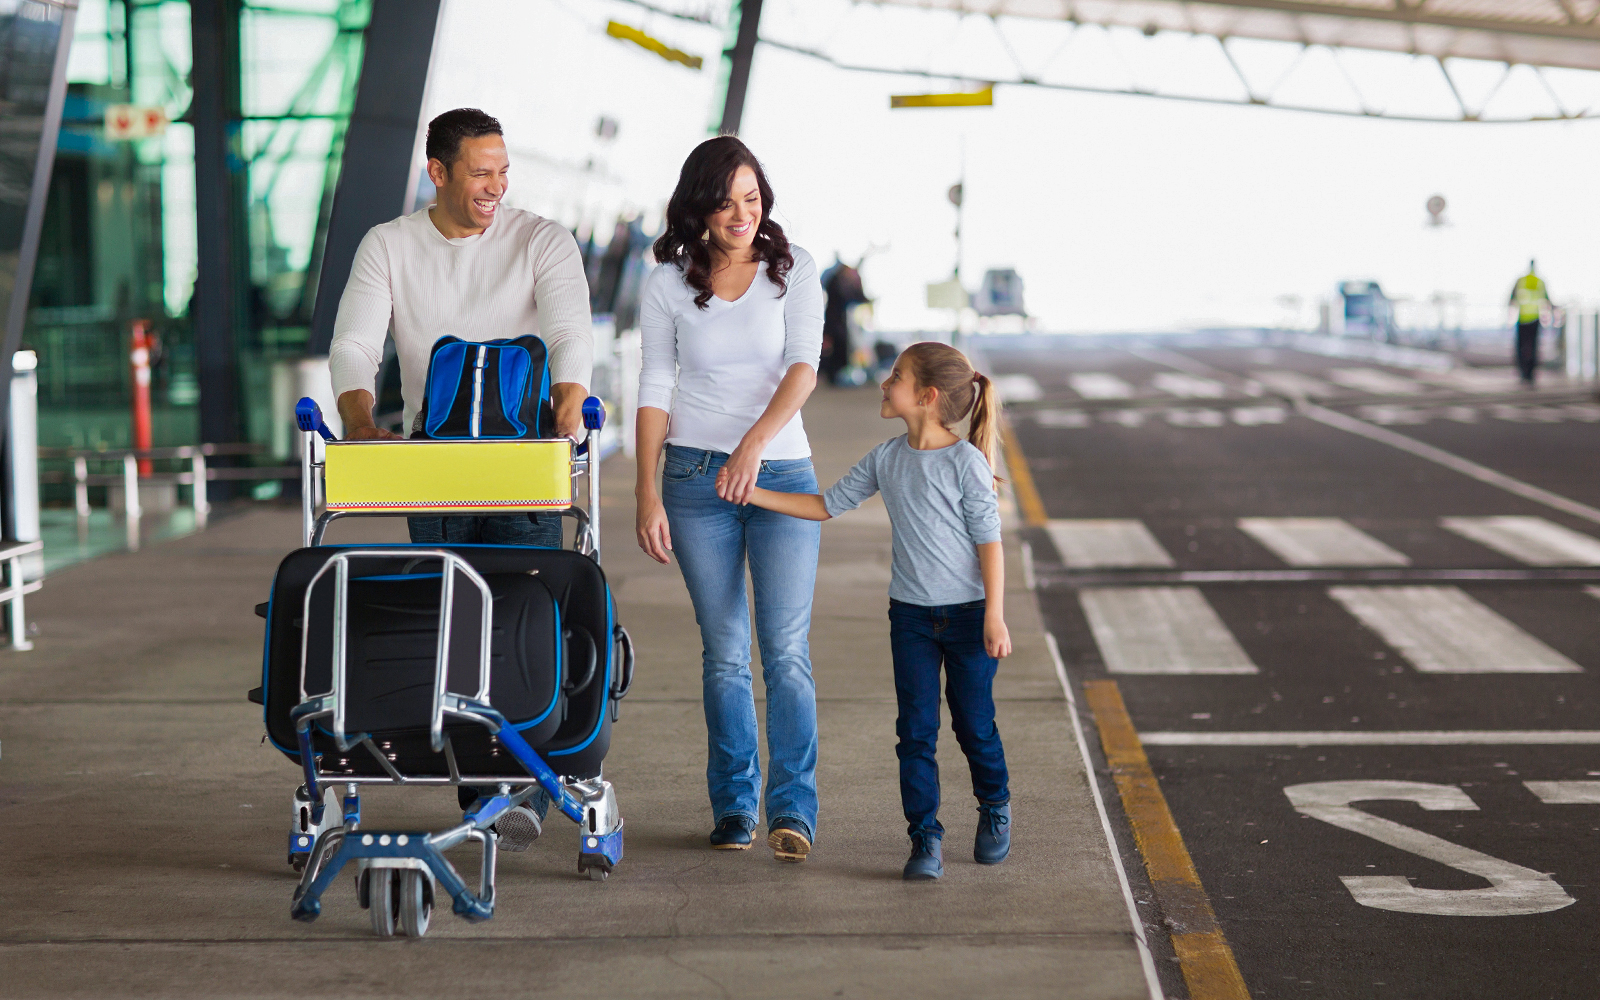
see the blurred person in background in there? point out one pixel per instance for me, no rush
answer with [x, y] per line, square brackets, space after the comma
[842, 283]
[1531, 298]
[731, 329]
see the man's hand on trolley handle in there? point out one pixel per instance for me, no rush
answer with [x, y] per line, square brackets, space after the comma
[355, 409]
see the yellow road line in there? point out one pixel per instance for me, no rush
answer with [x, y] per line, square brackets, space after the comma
[1208, 964]
[1022, 486]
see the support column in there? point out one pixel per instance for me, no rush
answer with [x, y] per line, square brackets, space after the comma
[375, 170]
[220, 307]
[36, 37]
[736, 63]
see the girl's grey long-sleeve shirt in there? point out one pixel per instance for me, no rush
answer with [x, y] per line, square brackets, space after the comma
[941, 504]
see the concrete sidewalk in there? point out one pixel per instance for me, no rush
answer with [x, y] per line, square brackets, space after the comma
[145, 822]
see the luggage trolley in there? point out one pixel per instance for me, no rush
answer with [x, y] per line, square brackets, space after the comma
[497, 667]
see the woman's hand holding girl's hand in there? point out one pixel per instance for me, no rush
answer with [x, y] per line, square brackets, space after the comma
[736, 480]
[996, 637]
[655, 537]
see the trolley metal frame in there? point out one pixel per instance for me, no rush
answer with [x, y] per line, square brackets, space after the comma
[397, 872]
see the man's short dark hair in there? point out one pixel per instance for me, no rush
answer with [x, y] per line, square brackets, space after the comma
[446, 132]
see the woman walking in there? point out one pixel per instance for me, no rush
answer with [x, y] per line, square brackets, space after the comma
[732, 321]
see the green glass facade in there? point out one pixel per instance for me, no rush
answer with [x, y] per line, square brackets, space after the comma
[120, 243]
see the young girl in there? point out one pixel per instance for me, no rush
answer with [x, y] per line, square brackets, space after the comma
[948, 588]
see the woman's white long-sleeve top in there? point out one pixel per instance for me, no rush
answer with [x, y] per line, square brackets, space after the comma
[726, 360]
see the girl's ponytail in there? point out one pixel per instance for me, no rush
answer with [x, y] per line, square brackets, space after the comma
[983, 424]
[964, 394]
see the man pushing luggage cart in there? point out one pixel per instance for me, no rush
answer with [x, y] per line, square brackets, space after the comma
[472, 269]
[483, 655]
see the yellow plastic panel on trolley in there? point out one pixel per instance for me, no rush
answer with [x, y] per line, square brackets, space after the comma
[449, 475]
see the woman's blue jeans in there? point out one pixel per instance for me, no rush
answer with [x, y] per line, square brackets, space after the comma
[713, 539]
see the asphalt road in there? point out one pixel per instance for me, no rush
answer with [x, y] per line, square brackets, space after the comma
[1365, 680]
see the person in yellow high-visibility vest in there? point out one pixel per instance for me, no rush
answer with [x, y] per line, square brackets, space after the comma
[1531, 297]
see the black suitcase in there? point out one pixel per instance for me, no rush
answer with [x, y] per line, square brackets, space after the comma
[554, 669]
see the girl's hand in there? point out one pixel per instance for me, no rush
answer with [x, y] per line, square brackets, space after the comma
[736, 480]
[655, 536]
[996, 637]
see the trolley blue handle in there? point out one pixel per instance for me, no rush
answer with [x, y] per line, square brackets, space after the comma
[594, 413]
[308, 417]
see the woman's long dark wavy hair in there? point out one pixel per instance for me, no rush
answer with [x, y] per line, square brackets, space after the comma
[702, 190]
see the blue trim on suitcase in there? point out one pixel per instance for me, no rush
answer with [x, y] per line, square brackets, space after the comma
[605, 706]
[266, 661]
[555, 696]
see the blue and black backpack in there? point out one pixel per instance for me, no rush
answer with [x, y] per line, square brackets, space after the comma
[491, 389]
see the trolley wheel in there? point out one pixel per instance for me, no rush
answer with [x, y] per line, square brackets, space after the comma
[598, 874]
[364, 888]
[416, 902]
[298, 861]
[384, 900]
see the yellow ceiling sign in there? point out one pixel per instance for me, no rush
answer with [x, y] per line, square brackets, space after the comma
[655, 45]
[969, 99]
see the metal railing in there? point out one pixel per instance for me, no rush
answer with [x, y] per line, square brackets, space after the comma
[1581, 345]
[15, 587]
[129, 475]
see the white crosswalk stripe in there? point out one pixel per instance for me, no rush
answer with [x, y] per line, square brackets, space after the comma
[1099, 385]
[1255, 416]
[1189, 386]
[1374, 381]
[1320, 541]
[1441, 630]
[1107, 543]
[1531, 540]
[1474, 379]
[1061, 418]
[1017, 388]
[1294, 383]
[1161, 630]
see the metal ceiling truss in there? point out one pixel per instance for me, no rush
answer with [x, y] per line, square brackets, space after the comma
[1527, 34]
[1562, 33]
[1534, 34]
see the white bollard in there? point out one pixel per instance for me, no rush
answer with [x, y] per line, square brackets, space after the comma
[202, 504]
[80, 488]
[130, 487]
[18, 620]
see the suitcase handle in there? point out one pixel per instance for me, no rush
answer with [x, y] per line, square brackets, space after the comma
[625, 681]
[588, 677]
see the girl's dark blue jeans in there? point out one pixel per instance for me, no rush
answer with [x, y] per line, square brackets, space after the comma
[923, 639]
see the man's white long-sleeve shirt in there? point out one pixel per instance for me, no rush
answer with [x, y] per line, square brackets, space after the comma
[523, 274]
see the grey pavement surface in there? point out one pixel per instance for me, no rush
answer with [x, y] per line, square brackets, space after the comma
[145, 821]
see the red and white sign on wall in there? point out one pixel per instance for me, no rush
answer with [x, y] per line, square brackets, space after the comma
[134, 121]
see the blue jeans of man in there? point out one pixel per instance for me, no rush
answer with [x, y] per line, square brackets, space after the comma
[714, 540]
[541, 530]
[922, 639]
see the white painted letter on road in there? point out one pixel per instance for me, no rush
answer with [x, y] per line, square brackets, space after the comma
[1513, 890]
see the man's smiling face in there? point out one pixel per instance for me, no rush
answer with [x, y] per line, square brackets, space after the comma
[470, 189]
